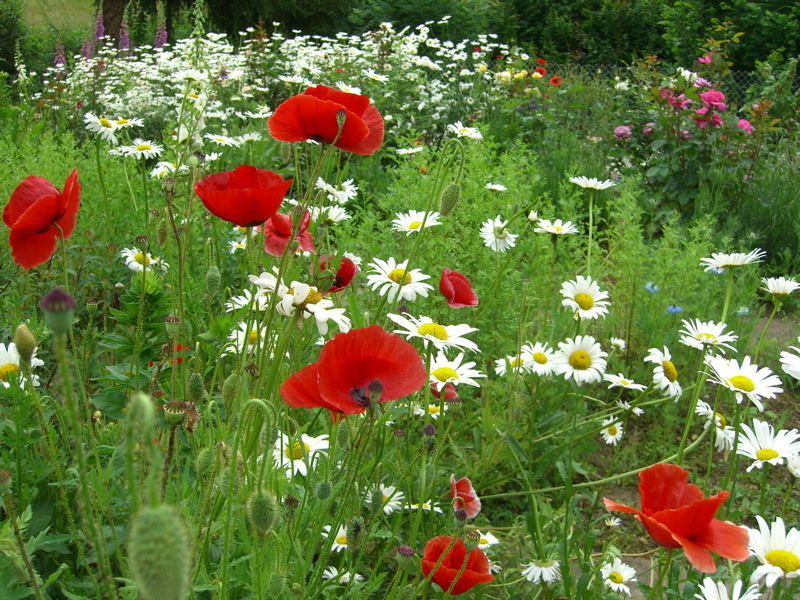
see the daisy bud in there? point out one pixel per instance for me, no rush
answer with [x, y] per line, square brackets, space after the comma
[159, 554]
[264, 512]
[59, 310]
[213, 282]
[162, 230]
[355, 533]
[195, 390]
[25, 341]
[323, 490]
[204, 462]
[5, 482]
[449, 198]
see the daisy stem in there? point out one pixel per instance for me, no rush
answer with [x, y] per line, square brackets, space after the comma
[698, 386]
[762, 495]
[130, 189]
[591, 234]
[100, 171]
[144, 193]
[733, 468]
[728, 291]
[776, 306]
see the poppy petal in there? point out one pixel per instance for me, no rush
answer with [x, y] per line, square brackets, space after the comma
[664, 486]
[301, 389]
[306, 117]
[475, 571]
[691, 520]
[658, 531]
[616, 506]
[355, 103]
[40, 215]
[374, 122]
[25, 194]
[31, 248]
[700, 558]
[727, 540]
[70, 202]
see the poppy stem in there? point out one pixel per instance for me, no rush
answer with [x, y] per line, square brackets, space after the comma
[665, 567]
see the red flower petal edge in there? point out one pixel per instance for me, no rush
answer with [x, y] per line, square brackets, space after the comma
[457, 289]
[464, 496]
[476, 570]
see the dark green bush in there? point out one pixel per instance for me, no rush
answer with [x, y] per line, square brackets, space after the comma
[10, 32]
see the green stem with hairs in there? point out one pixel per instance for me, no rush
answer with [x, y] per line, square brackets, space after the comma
[776, 306]
[701, 378]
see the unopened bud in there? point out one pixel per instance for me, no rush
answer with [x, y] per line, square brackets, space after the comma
[461, 515]
[194, 388]
[25, 342]
[355, 533]
[323, 490]
[343, 436]
[230, 388]
[59, 310]
[204, 462]
[341, 117]
[162, 230]
[264, 512]
[449, 198]
[213, 281]
[277, 585]
[5, 482]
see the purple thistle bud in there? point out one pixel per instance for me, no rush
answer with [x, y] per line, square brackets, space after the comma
[99, 27]
[406, 551]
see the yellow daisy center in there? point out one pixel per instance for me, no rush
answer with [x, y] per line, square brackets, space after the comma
[707, 338]
[767, 454]
[433, 409]
[585, 301]
[341, 540]
[516, 362]
[143, 147]
[401, 276]
[193, 95]
[6, 369]
[670, 372]
[122, 121]
[580, 360]
[557, 228]
[142, 259]
[721, 421]
[415, 225]
[624, 382]
[252, 337]
[783, 559]
[540, 357]
[444, 373]
[483, 541]
[434, 329]
[612, 431]
[105, 123]
[296, 451]
[615, 577]
[742, 382]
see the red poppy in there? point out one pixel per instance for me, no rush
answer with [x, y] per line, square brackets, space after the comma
[37, 214]
[343, 276]
[555, 80]
[541, 61]
[279, 230]
[449, 390]
[356, 369]
[541, 71]
[246, 196]
[456, 289]
[315, 115]
[476, 570]
[464, 496]
[677, 514]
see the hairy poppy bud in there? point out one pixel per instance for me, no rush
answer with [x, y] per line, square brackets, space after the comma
[277, 585]
[204, 462]
[213, 281]
[230, 388]
[449, 198]
[323, 490]
[264, 512]
[25, 342]
[162, 230]
[194, 388]
[355, 533]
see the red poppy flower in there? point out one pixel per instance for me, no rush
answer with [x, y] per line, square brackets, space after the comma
[343, 276]
[541, 71]
[555, 80]
[464, 496]
[677, 514]
[475, 572]
[279, 230]
[541, 61]
[315, 114]
[246, 196]
[37, 214]
[449, 391]
[456, 289]
[355, 369]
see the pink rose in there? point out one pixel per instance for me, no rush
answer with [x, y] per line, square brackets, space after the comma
[745, 126]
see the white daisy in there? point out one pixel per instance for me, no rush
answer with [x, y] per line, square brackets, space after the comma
[545, 571]
[513, 364]
[298, 456]
[556, 227]
[392, 498]
[466, 132]
[746, 380]
[626, 406]
[580, 358]
[123, 123]
[395, 280]
[764, 445]
[258, 300]
[441, 336]
[102, 126]
[725, 434]
[612, 521]
[585, 298]
[332, 573]
[235, 245]
[665, 375]
[139, 149]
[777, 550]
[611, 431]
[618, 344]
[415, 220]
[354, 257]
[428, 506]
[790, 363]
[793, 465]
[350, 89]
[780, 286]
[496, 187]
[541, 357]
[340, 540]
[249, 138]
[620, 381]
[9, 363]
[246, 338]
[486, 539]
[721, 260]
[329, 215]
[704, 335]
[407, 151]
[444, 371]
[592, 183]
[139, 261]
[222, 140]
[433, 410]
[718, 591]
[616, 575]
[496, 236]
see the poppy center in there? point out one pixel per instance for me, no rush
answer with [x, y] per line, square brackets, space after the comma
[252, 337]
[6, 369]
[143, 147]
[615, 577]
[540, 357]
[296, 451]
[341, 540]
[584, 300]
[767, 454]
[670, 372]
[580, 360]
[783, 559]
[415, 225]
[444, 373]
[516, 362]
[142, 259]
[401, 276]
[742, 382]
[612, 431]
[105, 123]
[433, 329]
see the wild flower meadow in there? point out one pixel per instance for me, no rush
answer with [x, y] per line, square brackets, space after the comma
[387, 316]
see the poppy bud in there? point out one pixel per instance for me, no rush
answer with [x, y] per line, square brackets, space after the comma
[204, 462]
[277, 585]
[140, 410]
[194, 388]
[59, 310]
[162, 230]
[323, 490]
[5, 482]
[25, 342]
[213, 282]
[286, 152]
[264, 512]
[449, 198]
[297, 589]
[376, 500]
[456, 289]
[158, 550]
[230, 388]
[343, 437]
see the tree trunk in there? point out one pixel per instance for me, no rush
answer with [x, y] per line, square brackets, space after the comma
[113, 11]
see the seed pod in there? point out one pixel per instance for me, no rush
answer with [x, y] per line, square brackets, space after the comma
[277, 585]
[449, 198]
[159, 553]
[264, 512]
